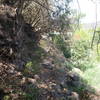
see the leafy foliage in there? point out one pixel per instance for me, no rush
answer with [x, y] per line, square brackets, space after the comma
[81, 50]
[62, 45]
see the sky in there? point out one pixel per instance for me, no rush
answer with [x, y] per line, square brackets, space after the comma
[88, 8]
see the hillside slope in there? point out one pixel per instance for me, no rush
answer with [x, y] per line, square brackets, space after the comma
[32, 71]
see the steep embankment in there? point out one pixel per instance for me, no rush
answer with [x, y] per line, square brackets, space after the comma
[27, 71]
[33, 72]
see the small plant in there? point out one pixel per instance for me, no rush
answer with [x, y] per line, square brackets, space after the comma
[32, 66]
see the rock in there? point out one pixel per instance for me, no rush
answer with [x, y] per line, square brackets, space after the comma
[73, 79]
[43, 85]
[77, 70]
[63, 84]
[48, 63]
[47, 66]
[36, 77]
[33, 81]
[74, 76]
[23, 80]
[57, 88]
[73, 96]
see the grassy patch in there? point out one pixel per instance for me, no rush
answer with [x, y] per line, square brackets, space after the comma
[92, 76]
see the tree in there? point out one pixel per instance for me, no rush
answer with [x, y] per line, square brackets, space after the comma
[43, 15]
[32, 18]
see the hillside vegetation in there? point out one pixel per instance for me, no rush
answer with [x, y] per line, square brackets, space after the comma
[41, 58]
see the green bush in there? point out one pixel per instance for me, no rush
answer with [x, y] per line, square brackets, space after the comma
[81, 55]
[62, 45]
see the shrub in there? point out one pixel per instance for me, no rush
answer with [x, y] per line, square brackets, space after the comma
[82, 55]
[62, 45]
